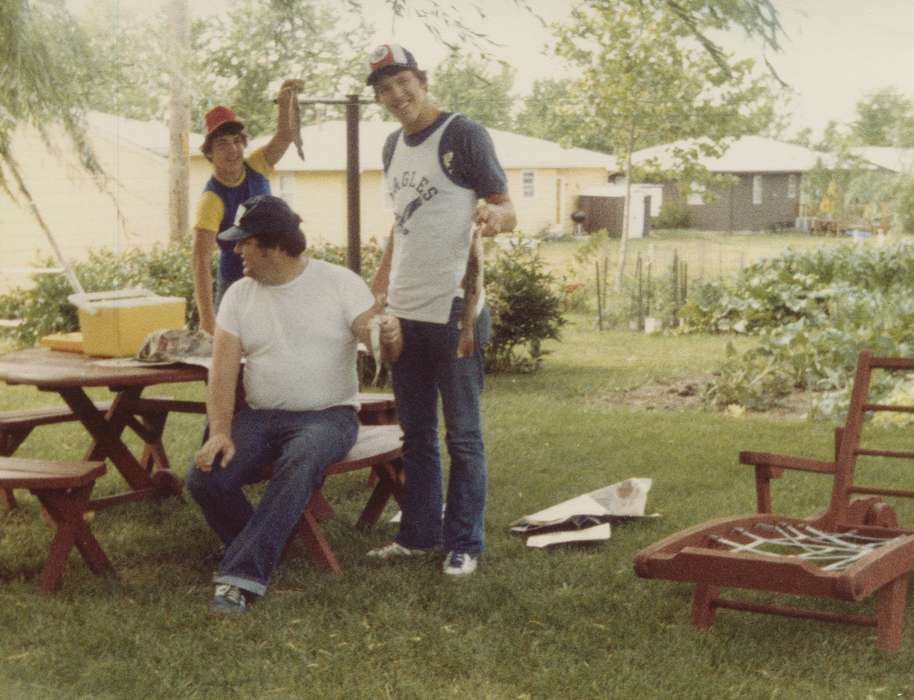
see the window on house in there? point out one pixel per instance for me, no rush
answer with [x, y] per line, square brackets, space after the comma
[756, 189]
[696, 194]
[791, 187]
[529, 180]
[287, 187]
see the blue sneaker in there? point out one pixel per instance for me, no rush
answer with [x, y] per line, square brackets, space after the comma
[228, 600]
[460, 564]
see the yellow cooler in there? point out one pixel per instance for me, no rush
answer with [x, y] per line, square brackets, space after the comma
[114, 324]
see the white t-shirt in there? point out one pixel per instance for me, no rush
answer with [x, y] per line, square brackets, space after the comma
[297, 339]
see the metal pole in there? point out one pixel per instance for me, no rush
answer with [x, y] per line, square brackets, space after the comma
[353, 199]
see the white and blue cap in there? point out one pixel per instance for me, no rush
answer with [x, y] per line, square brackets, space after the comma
[389, 58]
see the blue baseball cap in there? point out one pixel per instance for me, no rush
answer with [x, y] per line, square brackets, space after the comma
[264, 216]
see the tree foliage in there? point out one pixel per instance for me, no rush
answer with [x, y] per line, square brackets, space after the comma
[635, 90]
[640, 91]
[242, 55]
[130, 61]
[43, 59]
[475, 88]
[884, 118]
[540, 116]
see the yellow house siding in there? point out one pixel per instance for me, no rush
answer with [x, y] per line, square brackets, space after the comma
[129, 208]
[319, 197]
[554, 197]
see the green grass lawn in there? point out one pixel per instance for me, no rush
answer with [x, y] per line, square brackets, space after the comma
[570, 622]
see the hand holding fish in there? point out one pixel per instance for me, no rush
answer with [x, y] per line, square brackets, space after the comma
[385, 337]
[288, 100]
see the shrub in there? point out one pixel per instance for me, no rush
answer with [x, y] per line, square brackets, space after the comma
[905, 205]
[371, 256]
[43, 308]
[526, 309]
[673, 214]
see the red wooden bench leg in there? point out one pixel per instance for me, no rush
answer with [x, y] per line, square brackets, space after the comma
[9, 443]
[320, 508]
[67, 509]
[154, 456]
[7, 499]
[390, 483]
[703, 605]
[317, 546]
[890, 613]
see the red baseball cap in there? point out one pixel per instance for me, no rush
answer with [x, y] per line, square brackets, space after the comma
[215, 118]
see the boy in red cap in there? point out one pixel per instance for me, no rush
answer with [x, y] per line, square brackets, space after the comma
[235, 179]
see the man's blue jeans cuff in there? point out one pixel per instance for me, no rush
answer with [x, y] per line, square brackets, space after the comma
[244, 584]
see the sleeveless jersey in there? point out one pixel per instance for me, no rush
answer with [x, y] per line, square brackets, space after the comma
[254, 183]
[433, 217]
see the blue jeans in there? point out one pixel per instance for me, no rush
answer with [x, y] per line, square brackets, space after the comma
[429, 366]
[299, 445]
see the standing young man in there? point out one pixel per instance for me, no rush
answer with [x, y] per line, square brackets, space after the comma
[235, 179]
[438, 167]
[297, 322]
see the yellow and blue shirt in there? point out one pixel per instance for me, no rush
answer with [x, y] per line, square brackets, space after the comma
[219, 204]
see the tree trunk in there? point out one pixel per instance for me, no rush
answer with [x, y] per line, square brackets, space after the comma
[623, 241]
[179, 123]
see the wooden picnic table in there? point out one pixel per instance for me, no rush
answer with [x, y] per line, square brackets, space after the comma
[70, 374]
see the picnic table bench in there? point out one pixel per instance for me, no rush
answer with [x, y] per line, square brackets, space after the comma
[63, 489]
[379, 448]
[16, 426]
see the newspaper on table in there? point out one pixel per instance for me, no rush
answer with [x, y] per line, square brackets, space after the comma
[169, 347]
[586, 517]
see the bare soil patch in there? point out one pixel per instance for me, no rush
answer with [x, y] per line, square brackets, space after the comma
[686, 395]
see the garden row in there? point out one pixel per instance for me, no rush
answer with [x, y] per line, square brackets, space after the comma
[812, 312]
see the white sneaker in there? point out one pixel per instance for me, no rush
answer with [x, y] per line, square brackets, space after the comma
[460, 564]
[394, 550]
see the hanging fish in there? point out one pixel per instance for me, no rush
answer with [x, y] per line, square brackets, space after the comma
[374, 335]
[294, 114]
[472, 292]
[295, 123]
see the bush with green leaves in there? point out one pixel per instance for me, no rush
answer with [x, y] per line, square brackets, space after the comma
[525, 301]
[43, 308]
[905, 204]
[526, 307]
[674, 214]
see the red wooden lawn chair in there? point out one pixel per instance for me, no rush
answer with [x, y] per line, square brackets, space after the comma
[849, 552]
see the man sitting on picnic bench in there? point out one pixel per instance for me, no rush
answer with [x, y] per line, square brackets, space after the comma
[297, 322]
